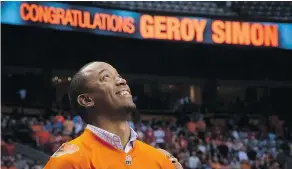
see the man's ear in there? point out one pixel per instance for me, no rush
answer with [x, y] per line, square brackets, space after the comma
[85, 100]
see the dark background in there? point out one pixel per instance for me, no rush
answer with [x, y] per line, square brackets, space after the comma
[36, 47]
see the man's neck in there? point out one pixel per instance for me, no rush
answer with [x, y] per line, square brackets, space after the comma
[118, 127]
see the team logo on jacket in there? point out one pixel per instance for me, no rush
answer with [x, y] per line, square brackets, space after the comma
[128, 160]
[65, 149]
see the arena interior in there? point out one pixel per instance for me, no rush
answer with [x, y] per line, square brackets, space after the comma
[212, 80]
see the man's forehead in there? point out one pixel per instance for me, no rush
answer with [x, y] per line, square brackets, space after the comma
[97, 67]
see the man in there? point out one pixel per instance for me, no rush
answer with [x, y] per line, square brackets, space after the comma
[159, 135]
[103, 100]
[194, 161]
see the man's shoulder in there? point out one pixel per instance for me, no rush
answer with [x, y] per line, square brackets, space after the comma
[69, 150]
[159, 157]
[69, 155]
[150, 149]
[143, 145]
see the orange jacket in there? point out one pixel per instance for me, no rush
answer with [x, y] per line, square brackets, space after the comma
[90, 152]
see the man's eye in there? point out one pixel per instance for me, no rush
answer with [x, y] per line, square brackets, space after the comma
[105, 77]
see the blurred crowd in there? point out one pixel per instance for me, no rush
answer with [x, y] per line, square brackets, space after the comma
[19, 162]
[198, 142]
[44, 134]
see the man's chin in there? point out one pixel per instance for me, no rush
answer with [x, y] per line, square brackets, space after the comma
[129, 108]
[125, 112]
[126, 106]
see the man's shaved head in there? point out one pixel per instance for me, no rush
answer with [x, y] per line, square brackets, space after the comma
[97, 85]
[77, 87]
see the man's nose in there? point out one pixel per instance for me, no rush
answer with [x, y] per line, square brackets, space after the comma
[121, 81]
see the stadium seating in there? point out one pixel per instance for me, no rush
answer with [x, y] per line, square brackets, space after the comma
[195, 7]
[277, 10]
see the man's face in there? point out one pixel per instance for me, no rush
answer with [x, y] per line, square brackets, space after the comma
[107, 89]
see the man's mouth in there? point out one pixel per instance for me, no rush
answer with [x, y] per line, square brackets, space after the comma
[124, 92]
